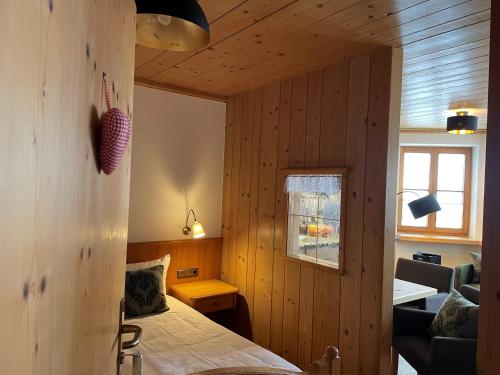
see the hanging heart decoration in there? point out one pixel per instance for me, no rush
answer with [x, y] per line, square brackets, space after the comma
[116, 130]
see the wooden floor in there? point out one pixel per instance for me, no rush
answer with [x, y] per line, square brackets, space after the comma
[258, 42]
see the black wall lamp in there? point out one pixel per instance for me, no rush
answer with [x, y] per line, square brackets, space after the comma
[176, 25]
[462, 123]
[197, 229]
[424, 206]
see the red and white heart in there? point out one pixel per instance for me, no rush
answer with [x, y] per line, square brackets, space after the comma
[116, 130]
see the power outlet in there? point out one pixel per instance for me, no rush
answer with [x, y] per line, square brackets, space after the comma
[187, 272]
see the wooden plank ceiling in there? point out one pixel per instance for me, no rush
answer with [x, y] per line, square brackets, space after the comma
[257, 42]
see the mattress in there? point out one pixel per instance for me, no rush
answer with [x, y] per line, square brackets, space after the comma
[182, 341]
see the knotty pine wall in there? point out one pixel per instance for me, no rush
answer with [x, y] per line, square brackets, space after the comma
[345, 115]
[63, 225]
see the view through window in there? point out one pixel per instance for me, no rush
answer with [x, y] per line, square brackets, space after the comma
[315, 218]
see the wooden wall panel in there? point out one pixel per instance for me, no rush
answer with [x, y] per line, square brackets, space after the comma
[244, 198]
[63, 224]
[254, 201]
[235, 183]
[266, 213]
[280, 222]
[489, 324]
[205, 253]
[339, 116]
[376, 229]
[226, 187]
[291, 311]
[359, 81]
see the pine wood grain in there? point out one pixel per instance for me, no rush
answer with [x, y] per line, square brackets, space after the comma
[256, 43]
[204, 254]
[63, 224]
[296, 307]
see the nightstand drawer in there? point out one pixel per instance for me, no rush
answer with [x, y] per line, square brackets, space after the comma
[215, 303]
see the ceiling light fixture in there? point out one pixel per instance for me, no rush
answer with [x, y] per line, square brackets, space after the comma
[176, 25]
[462, 123]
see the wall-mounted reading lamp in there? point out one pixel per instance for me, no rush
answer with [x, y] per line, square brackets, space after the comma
[424, 206]
[196, 229]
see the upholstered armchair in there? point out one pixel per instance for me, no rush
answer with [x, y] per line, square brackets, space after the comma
[428, 274]
[432, 355]
[464, 275]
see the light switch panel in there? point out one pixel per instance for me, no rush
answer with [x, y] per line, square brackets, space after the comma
[187, 272]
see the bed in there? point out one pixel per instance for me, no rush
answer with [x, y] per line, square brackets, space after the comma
[182, 341]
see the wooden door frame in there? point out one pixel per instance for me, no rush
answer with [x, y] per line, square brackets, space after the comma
[488, 350]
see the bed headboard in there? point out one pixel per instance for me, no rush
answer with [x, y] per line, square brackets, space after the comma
[205, 254]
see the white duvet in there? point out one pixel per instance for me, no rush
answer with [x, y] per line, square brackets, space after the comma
[182, 341]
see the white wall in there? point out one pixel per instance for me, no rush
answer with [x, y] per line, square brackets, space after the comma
[177, 163]
[452, 254]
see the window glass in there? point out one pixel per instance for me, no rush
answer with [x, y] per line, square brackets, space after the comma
[441, 171]
[452, 210]
[416, 173]
[451, 172]
[314, 214]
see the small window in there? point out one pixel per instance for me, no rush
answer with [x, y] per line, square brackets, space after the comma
[444, 171]
[315, 216]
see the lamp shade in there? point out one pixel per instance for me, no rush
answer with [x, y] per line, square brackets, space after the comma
[424, 206]
[198, 231]
[462, 123]
[176, 25]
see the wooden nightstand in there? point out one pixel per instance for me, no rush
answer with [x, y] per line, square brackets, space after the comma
[206, 296]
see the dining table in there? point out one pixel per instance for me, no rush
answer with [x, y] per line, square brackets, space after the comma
[405, 291]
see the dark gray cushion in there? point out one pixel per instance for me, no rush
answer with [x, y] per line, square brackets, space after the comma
[143, 292]
[428, 274]
[457, 317]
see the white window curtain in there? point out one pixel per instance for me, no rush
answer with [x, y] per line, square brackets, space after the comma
[328, 185]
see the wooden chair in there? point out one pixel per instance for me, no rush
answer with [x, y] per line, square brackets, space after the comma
[329, 364]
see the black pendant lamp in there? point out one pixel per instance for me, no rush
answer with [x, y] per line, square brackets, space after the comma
[176, 25]
[462, 123]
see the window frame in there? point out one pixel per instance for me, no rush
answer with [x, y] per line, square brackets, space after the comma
[343, 171]
[433, 179]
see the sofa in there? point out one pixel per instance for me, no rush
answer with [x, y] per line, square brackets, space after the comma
[432, 355]
[464, 275]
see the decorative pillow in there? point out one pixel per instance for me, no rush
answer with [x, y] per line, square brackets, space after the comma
[476, 262]
[164, 261]
[143, 295]
[457, 317]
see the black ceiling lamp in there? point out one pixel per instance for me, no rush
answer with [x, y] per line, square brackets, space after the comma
[462, 123]
[422, 206]
[176, 25]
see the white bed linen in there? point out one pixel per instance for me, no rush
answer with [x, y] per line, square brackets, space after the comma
[182, 341]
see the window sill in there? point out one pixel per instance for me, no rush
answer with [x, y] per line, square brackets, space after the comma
[427, 238]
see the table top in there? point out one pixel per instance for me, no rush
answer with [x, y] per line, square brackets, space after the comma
[203, 289]
[405, 291]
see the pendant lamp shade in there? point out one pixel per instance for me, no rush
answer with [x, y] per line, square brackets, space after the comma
[462, 123]
[176, 25]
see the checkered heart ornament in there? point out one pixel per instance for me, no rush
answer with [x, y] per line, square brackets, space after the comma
[116, 130]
